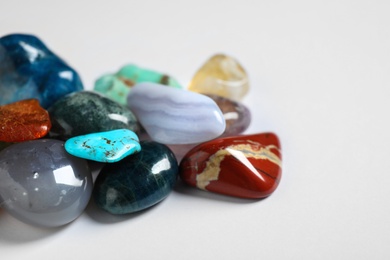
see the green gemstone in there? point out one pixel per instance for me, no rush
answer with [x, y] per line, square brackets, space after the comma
[113, 88]
[117, 86]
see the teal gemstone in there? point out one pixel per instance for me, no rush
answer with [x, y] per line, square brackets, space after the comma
[137, 182]
[112, 87]
[107, 147]
[117, 86]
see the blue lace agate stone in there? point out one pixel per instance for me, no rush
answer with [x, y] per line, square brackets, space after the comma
[111, 146]
[137, 182]
[28, 69]
[175, 116]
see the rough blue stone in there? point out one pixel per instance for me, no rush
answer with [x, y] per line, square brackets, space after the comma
[86, 112]
[28, 69]
[108, 147]
[138, 181]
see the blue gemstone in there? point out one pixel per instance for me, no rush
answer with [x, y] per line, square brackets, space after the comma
[28, 69]
[109, 147]
[137, 182]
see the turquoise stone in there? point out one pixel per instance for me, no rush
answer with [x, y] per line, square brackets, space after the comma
[86, 112]
[117, 86]
[107, 147]
[137, 182]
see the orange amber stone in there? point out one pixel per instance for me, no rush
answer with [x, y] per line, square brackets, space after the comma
[23, 120]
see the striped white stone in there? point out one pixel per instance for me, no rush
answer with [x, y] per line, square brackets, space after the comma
[175, 116]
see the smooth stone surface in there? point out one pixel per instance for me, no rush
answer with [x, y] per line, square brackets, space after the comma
[237, 115]
[247, 166]
[137, 182]
[221, 75]
[117, 86]
[88, 112]
[23, 120]
[28, 69]
[175, 116]
[108, 147]
[41, 184]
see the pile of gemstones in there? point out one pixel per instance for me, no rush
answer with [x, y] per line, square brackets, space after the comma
[142, 126]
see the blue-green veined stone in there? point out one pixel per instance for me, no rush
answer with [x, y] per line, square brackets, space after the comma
[117, 86]
[88, 112]
[108, 147]
[137, 182]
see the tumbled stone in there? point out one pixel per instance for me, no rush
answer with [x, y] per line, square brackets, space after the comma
[108, 147]
[28, 69]
[117, 86]
[23, 120]
[247, 166]
[221, 75]
[41, 184]
[237, 115]
[88, 112]
[137, 182]
[175, 116]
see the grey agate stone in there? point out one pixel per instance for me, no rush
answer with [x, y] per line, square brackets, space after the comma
[41, 184]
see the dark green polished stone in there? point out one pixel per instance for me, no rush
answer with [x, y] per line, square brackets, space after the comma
[88, 112]
[138, 181]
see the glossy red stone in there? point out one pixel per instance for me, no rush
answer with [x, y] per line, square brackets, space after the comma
[247, 166]
[23, 120]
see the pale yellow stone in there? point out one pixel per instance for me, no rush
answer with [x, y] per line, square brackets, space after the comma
[221, 75]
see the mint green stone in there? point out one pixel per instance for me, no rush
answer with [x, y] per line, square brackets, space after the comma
[107, 147]
[117, 86]
[113, 88]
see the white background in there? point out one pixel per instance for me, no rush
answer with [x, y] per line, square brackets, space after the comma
[319, 74]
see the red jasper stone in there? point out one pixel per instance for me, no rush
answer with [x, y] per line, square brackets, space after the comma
[23, 120]
[247, 166]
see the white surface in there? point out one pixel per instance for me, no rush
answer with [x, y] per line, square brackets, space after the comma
[319, 73]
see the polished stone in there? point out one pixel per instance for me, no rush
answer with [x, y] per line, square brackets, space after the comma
[107, 147]
[28, 69]
[41, 184]
[247, 166]
[137, 182]
[221, 75]
[175, 116]
[88, 112]
[117, 86]
[237, 115]
[23, 120]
